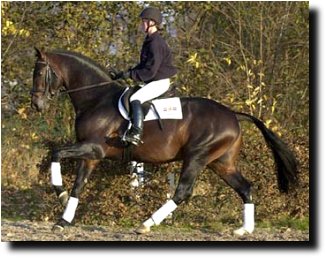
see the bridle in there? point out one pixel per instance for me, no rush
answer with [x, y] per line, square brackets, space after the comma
[48, 79]
[50, 74]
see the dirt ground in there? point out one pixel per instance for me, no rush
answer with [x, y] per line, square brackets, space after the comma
[41, 231]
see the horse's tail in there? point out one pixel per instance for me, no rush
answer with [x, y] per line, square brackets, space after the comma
[285, 160]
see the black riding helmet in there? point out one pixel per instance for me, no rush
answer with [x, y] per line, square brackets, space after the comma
[151, 13]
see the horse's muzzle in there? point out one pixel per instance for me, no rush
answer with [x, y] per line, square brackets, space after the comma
[38, 104]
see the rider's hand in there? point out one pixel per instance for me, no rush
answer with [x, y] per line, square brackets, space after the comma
[121, 75]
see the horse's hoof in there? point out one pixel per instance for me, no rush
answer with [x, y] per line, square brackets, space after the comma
[57, 228]
[63, 198]
[242, 231]
[142, 229]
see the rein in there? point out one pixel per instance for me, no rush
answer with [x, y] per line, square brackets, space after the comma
[87, 87]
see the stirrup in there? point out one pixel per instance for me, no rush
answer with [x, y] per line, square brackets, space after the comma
[133, 139]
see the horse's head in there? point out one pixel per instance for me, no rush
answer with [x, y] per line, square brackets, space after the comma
[46, 81]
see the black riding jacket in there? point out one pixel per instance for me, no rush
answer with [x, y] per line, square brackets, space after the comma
[155, 60]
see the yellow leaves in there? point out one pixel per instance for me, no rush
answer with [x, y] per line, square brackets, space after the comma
[194, 60]
[230, 97]
[273, 105]
[241, 67]
[4, 8]
[250, 68]
[24, 33]
[9, 28]
[249, 102]
[249, 72]
[25, 146]
[254, 96]
[268, 122]
[186, 89]
[273, 108]
[21, 113]
[8, 23]
[257, 62]
[261, 75]
[227, 59]
[34, 136]
[21, 110]
[274, 128]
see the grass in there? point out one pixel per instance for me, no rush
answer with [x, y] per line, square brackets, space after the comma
[286, 222]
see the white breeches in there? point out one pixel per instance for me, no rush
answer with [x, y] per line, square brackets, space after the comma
[151, 90]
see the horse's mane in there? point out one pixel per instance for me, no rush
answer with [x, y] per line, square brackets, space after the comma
[101, 70]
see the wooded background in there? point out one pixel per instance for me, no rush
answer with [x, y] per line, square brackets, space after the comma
[251, 56]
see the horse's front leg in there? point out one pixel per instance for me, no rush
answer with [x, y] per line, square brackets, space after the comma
[79, 150]
[56, 181]
[90, 154]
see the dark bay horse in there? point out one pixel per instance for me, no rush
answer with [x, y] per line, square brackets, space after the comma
[208, 135]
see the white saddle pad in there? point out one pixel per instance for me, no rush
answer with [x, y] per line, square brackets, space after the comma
[169, 108]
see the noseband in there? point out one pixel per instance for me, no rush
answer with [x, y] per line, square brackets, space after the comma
[49, 74]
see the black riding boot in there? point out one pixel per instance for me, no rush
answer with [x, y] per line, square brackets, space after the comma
[135, 133]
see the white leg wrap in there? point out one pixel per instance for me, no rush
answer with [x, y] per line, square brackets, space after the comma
[134, 182]
[56, 178]
[149, 223]
[140, 172]
[137, 170]
[163, 212]
[70, 209]
[249, 221]
[132, 165]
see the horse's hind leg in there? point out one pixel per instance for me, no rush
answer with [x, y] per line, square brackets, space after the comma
[225, 167]
[235, 180]
[191, 167]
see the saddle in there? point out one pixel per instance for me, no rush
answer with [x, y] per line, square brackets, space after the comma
[126, 101]
[145, 106]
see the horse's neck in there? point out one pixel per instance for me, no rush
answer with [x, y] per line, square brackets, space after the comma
[85, 102]
[77, 78]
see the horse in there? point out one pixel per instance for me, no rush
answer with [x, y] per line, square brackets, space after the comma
[208, 135]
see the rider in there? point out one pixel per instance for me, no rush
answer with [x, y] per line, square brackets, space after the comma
[155, 69]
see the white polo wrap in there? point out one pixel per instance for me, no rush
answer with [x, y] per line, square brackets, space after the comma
[163, 212]
[56, 177]
[70, 209]
[149, 223]
[249, 220]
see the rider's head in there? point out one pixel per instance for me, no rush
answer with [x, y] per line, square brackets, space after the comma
[151, 19]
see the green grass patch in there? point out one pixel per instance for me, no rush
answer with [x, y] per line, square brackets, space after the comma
[285, 222]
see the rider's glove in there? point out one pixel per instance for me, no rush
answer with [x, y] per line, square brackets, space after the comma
[121, 75]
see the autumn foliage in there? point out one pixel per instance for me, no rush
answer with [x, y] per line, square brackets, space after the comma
[251, 56]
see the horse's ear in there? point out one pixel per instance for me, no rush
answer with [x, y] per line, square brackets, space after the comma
[39, 53]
